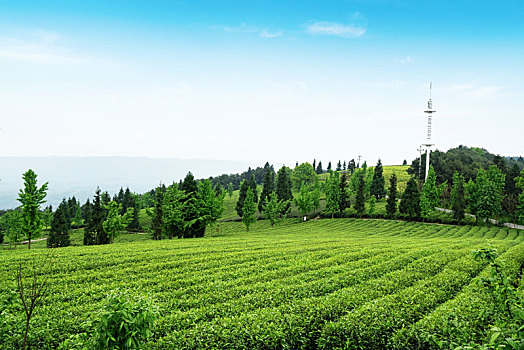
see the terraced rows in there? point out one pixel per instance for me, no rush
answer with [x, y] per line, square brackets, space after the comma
[325, 284]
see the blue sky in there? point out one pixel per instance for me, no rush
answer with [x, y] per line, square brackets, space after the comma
[259, 80]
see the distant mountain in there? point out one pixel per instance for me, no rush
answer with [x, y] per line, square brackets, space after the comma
[79, 176]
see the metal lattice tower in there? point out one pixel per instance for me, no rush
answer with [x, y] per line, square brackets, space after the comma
[428, 144]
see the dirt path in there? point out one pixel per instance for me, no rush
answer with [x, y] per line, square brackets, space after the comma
[493, 221]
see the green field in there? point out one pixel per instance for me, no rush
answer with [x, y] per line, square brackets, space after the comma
[327, 284]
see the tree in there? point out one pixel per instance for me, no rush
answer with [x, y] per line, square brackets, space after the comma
[268, 187]
[405, 162]
[344, 166]
[11, 226]
[458, 201]
[211, 202]
[94, 231]
[195, 221]
[283, 188]
[339, 166]
[230, 190]
[378, 188]
[430, 194]
[352, 166]
[77, 219]
[319, 169]
[274, 209]
[329, 166]
[47, 217]
[116, 223]
[410, 203]
[173, 205]
[31, 198]
[253, 186]
[244, 189]
[486, 193]
[360, 200]
[332, 189]
[158, 213]
[248, 210]
[60, 228]
[345, 199]
[519, 182]
[372, 206]
[391, 206]
[308, 199]
[304, 173]
[314, 164]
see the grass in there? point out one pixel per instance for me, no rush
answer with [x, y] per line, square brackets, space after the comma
[294, 285]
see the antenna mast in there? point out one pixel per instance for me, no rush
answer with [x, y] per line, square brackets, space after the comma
[428, 144]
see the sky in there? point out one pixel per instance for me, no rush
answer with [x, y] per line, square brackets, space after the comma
[257, 81]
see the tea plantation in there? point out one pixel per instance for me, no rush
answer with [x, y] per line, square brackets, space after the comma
[327, 284]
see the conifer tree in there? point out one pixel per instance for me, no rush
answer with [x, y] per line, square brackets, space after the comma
[158, 213]
[31, 197]
[332, 189]
[329, 166]
[344, 167]
[314, 164]
[372, 206]
[391, 206]
[352, 166]
[244, 189]
[319, 169]
[339, 166]
[60, 226]
[248, 210]
[458, 202]
[172, 213]
[378, 188]
[283, 186]
[195, 223]
[410, 203]
[519, 183]
[230, 190]
[345, 199]
[94, 232]
[253, 186]
[360, 200]
[268, 187]
[430, 194]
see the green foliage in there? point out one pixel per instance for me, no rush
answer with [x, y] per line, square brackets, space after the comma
[391, 206]
[114, 222]
[519, 181]
[458, 201]
[345, 198]
[94, 232]
[268, 187]
[244, 188]
[60, 228]
[157, 213]
[378, 188]
[283, 186]
[31, 197]
[332, 190]
[125, 322]
[308, 199]
[304, 173]
[485, 194]
[248, 210]
[360, 200]
[430, 196]
[372, 206]
[410, 203]
[275, 210]
[173, 205]
[194, 219]
[211, 202]
[11, 226]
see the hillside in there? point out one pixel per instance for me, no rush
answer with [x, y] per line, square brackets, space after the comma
[315, 284]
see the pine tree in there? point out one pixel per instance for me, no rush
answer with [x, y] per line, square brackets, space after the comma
[253, 186]
[410, 203]
[360, 200]
[372, 206]
[332, 189]
[268, 187]
[94, 232]
[314, 164]
[248, 210]
[339, 166]
[244, 189]
[378, 188]
[329, 167]
[283, 186]
[391, 206]
[430, 194]
[195, 224]
[60, 226]
[158, 214]
[319, 169]
[351, 166]
[230, 190]
[345, 199]
[344, 167]
[31, 198]
[458, 202]
[172, 213]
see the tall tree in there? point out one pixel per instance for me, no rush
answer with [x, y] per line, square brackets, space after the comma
[519, 183]
[430, 194]
[319, 169]
[115, 223]
[195, 222]
[378, 187]
[304, 173]
[458, 201]
[283, 186]
[314, 164]
[31, 197]
[332, 189]
[345, 199]
[157, 215]
[230, 190]
[486, 193]
[352, 166]
[172, 212]
[253, 186]
[268, 187]
[339, 166]
[391, 206]
[274, 209]
[60, 228]
[244, 189]
[211, 202]
[329, 166]
[344, 167]
[248, 210]
[410, 203]
[360, 200]
[308, 199]
[94, 231]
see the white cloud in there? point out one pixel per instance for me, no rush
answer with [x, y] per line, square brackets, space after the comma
[243, 28]
[267, 34]
[407, 60]
[337, 29]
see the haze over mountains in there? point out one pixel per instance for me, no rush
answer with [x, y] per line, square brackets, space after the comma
[80, 176]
